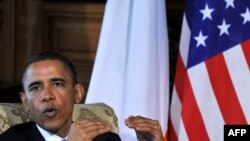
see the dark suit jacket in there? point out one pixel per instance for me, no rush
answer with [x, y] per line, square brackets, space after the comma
[29, 132]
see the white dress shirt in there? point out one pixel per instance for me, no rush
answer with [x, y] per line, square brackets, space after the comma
[49, 136]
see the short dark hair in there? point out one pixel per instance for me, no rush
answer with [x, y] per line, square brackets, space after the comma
[42, 56]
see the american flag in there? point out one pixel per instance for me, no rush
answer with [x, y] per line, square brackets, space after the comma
[212, 82]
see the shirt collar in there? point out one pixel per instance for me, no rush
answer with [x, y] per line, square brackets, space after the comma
[49, 136]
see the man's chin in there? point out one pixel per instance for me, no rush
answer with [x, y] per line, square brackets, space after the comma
[51, 125]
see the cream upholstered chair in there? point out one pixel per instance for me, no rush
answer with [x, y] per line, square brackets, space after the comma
[13, 113]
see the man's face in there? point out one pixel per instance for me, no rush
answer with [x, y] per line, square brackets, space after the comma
[49, 95]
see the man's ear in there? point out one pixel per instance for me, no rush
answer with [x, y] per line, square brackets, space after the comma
[79, 93]
[23, 98]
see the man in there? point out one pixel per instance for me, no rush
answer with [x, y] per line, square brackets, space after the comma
[50, 90]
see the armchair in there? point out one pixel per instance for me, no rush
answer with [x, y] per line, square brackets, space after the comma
[13, 113]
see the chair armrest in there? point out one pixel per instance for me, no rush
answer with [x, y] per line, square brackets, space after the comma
[13, 113]
[97, 111]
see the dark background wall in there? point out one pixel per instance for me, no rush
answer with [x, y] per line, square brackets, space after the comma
[70, 27]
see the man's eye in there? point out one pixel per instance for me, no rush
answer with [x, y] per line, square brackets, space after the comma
[58, 84]
[35, 88]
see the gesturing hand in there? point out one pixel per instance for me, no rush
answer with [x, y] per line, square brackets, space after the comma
[87, 129]
[146, 129]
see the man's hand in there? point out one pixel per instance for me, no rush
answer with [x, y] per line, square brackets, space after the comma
[87, 129]
[146, 129]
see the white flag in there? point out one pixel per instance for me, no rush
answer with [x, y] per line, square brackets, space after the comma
[131, 70]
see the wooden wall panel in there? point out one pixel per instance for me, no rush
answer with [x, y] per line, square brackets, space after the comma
[1, 21]
[7, 40]
[73, 30]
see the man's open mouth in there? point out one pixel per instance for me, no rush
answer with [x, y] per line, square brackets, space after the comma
[50, 112]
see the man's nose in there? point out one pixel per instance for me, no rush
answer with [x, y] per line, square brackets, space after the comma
[47, 95]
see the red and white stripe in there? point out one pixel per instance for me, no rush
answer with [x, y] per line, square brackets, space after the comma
[210, 94]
